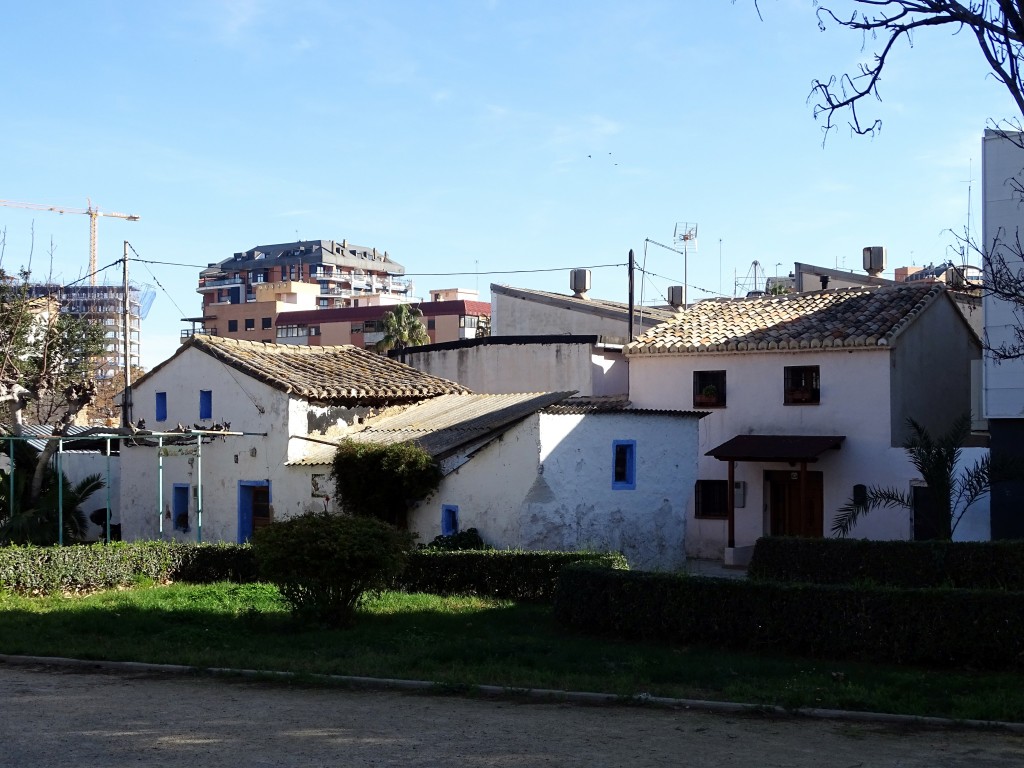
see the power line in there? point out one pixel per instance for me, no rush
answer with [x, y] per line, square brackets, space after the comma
[155, 278]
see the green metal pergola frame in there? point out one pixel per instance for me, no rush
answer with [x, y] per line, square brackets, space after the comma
[93, 437]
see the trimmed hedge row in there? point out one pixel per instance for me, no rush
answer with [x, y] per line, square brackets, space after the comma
[102, 566]
[507, 574]
[960, 564]
[495, 573]
[940, 627]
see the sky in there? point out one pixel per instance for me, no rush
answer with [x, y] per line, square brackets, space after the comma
[476, 141]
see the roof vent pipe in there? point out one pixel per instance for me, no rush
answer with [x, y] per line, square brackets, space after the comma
[579, 283]
[824, 281]
[675, 296]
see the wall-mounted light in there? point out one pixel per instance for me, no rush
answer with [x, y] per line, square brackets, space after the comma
[252, 451]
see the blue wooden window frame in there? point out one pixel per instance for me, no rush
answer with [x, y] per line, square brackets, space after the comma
[205, 404]
[161, 406]
[449, 519]
[623, 465]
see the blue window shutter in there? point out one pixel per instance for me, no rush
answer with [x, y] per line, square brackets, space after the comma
[623, 465]
[449, 519]
[205, 404]
[161, 406]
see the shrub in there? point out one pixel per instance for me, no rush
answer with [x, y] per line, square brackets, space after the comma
[383, 480]
[467, 539]
[324, 563]
[942, 627]
[87, 567]
[505, 574]
[960, 564]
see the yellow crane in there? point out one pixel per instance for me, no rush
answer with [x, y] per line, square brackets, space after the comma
[91, 212]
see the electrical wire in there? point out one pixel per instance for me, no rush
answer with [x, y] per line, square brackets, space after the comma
[155, 278]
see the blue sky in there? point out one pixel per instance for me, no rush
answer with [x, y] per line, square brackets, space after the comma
[467, 136]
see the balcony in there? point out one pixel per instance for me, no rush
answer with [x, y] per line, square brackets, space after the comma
[188, 333]
[211, 285]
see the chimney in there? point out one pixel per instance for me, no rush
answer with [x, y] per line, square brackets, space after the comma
[824, 281]
[579, 283]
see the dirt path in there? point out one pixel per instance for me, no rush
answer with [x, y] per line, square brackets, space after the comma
[55, 717]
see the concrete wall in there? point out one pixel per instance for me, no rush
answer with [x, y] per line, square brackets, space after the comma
[1002, 222]
[527, 367]
[77, 466]
[854, 402]
[547, 484]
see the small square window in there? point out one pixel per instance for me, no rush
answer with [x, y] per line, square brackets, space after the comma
[801, 385]
[709, 389]
[624, 465]
[232, 326]
[266, 323]
[711, 498]
[250, 323]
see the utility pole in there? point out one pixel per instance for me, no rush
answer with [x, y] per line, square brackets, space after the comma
[630, 334]
[126, 401]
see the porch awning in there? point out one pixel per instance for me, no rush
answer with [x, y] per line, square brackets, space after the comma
[776, 447]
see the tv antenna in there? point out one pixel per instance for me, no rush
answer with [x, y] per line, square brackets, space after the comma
[685, 236]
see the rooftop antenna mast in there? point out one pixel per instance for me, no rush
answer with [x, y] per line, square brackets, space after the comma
[685, 236]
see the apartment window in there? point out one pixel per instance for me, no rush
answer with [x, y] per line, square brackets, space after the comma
[801, 385]
[449, 519]
[623, 465]
[709, 389]
[250, 323]
[711, 498]
[430, 323]
[205, 404]
[265, 322]
[232, 326]
[161, 406]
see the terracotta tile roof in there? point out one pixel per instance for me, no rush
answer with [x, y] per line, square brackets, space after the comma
[848, 317]
[444, 424]
[340, 375]
[611, 404]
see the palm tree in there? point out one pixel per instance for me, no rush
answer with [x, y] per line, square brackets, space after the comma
[402, 328]
[37, 523]
[936, 460]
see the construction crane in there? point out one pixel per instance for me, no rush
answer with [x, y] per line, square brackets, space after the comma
[91, 212]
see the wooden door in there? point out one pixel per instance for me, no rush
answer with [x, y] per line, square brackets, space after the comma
[787, 515]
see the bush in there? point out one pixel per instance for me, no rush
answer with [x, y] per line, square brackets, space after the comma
[381, 481]
[960, 564]
[941, 627]
[467, 539]
[505, 574]
[324, 563]
[87, 567]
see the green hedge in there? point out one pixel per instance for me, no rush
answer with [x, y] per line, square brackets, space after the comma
[940, 627]
[508, 574]
[958, 564]
[33, 569]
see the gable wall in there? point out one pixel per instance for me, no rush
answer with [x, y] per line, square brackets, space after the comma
[547, 484]
[931, 371]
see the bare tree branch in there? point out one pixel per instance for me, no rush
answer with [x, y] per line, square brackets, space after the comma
[997, 25]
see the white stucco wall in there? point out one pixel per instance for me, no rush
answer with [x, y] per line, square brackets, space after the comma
[547, 484]
[79, 465]
[854, 402]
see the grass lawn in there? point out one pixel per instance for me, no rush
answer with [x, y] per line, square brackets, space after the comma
[464, 640]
